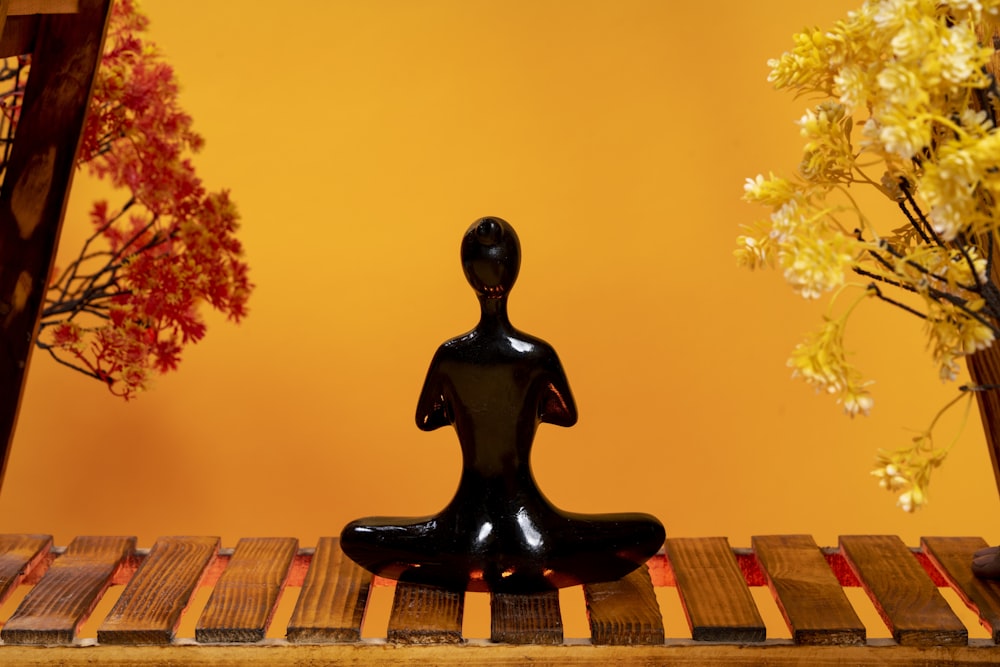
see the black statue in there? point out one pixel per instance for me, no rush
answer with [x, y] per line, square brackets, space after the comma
[495, 384]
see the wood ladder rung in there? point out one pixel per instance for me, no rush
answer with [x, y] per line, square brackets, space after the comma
[56, 607]
[711, 579]
[151, 605]
[19, 555]
[952, 556]
[624, 612]
[807, 592]
[906, 598]
[331, 605]
[425, 615]
[715, 596]
[244, 598]
[533, 618]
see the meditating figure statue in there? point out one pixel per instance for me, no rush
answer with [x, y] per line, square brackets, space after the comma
[495, 385]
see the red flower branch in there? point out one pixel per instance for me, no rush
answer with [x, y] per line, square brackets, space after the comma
[129, 302]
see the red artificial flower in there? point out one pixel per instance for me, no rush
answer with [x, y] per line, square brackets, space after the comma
[129, 303]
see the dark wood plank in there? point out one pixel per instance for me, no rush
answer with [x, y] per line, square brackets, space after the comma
[425, 615]
[624, 612]
[20, 28]
[18, 37]
[4, 12]
[35, 189]
[807, 591]
[573, 654]
[716, 599]
[151, 605]
[22, 7]
[334, 595]
[906, 598]
[526, 619]
[953, 556]
[241, 606]
[56, 607]
[19, 555]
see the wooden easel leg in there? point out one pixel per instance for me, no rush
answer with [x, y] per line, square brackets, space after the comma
[33, 196]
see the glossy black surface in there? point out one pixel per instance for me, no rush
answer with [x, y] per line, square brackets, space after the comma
[499, 533]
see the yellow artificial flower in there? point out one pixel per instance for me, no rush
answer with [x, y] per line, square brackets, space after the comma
[905, 92]
[771, 191]
[822, 362]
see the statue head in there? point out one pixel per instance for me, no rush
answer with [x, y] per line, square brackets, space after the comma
[491, 257]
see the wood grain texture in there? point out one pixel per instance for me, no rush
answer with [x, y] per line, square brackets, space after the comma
[19, 555]
[331, 606]
[908, 601]
[624, 612]
[716, 599]
[807, 592]
[4, 13]
[984, 368]
[151, 605]
[56, 607]
[19, 24]
[35, 189]
[273, 653]
[526, 619]
[425, 615]
[21, 38]
[18, 7]
[18, 36]
[953, 556]
[243, 601]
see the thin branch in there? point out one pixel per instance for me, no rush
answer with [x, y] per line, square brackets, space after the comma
[923, 270]
[978, 387]
[904, 187]
[933, 292]
[78, 369]
[913, 221]
[884, 279]
[72, 269]
[87, 291]
[878, 293]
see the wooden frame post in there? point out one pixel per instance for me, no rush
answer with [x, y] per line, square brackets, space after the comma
[66, 54]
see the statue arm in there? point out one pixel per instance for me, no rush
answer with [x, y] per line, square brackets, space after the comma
[432, 406]
[557, 405]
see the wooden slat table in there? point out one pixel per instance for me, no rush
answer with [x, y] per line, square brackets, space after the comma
[53, 590]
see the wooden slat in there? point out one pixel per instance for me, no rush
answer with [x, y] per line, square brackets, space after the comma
[56, 607]
[19, 7]
[716, 599]
[331, 606]
[526, 619]
[36, 185]
[906, 598]
[19, 554]
[624, 612]
[953, 556]
[151, 605]
[807, 592]
[241, 606]
[425, 615]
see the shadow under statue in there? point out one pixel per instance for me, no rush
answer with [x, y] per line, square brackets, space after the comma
[499, 533]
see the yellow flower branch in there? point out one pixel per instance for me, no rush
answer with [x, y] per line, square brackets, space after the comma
[905, 88]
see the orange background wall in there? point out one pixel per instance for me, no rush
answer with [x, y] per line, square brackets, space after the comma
[359, 140]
